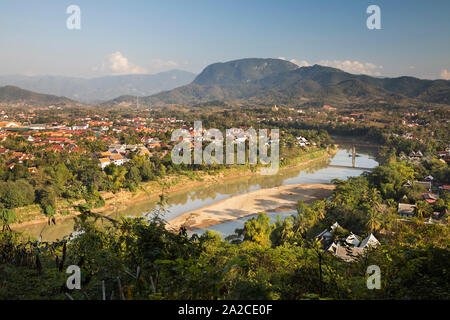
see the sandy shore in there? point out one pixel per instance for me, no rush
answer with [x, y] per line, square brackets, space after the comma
[263, 200]
[146, 192]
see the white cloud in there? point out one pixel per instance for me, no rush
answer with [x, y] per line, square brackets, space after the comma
[117, 63]
[302, 63]
[346, 65]
[356, 67]
[445, 74]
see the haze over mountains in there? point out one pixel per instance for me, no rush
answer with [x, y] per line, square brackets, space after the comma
[265, 81]
[100, 89]
[16, 95]
[254, 80]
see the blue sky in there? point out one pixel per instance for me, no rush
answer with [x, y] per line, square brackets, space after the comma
[119, 37]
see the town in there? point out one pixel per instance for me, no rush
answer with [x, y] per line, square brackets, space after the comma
[209, 152]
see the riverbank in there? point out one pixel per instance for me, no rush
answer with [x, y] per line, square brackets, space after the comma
[149, 191]
[251, 203]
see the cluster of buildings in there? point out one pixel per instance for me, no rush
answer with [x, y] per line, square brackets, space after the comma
[408, 210]
[302, 141]
[444, 154]
[66, 135]
[347, 248]
[417, 156]
[324, 115]
[117, 154]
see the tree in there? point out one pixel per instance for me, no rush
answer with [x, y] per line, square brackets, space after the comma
[7, 216]
[390, 178]
[133, 175]
[423, 209]
[305, 218]
[373, 219]
[257, 230]
[47, 200]
[147, 171]
[116, 175]
[283, 232]
[61, 177]
[319, 207]
[16, 194]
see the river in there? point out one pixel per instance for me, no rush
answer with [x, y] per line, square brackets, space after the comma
[195, 198]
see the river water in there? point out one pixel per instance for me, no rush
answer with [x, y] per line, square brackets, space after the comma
[195, 198]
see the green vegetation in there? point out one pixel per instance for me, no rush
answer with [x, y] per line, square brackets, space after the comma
[264, 259]
[261, 261]
[72, 176]
[274, 81]
[11, 94]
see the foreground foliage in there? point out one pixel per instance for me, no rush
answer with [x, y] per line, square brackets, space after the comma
[140, 259]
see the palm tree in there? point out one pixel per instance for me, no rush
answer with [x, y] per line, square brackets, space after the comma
[374, 220]
[422, 209]
[319, 207]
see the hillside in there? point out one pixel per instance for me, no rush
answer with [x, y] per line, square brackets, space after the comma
[242, 71]
[15, 95]
[95, 90]
[264, 81]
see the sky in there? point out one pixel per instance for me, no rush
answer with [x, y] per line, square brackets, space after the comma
[134, 36]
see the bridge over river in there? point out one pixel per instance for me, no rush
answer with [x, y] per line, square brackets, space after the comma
[353, 166]
[347, 162]
[348, 167]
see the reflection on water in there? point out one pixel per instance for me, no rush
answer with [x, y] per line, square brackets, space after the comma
[195, 198]
[324, 174]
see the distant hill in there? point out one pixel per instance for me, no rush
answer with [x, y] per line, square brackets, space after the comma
[277, 81]
[104, 88]
[15, 95]
[242, 71]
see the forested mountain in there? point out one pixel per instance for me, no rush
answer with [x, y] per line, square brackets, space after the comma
[15, 95]
[278, 81]
[242, 71]
[256, 81]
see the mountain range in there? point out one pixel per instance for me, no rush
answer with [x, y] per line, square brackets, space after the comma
[16, 95]
[245, 81]
[95, 90]
[266, 81]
